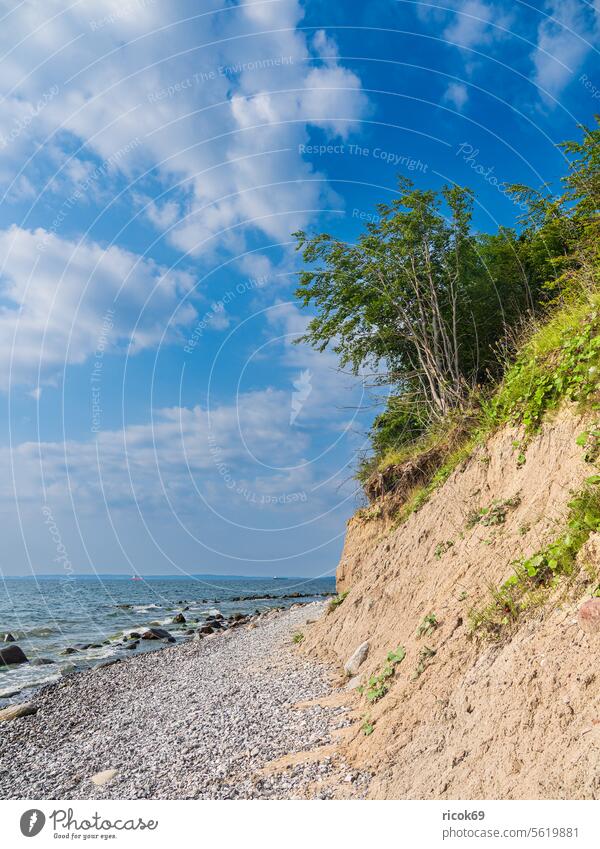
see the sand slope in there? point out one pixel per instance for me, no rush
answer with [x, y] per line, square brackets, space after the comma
[520, 719]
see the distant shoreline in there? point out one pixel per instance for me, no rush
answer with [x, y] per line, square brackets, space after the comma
[174, 577]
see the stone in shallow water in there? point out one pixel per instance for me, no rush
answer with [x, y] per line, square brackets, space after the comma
[103, 777]
[12, 654]
[589, 616]
[17, 711]
[157, 634]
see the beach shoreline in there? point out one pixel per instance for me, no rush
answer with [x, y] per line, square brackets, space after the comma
[199, 720]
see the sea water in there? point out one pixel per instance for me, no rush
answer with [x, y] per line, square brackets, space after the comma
[47, 615]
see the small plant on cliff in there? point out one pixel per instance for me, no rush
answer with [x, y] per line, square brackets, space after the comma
[442, 547]
[425, 656]
[590, 440]
[428, 625]
[335, 602]
[368, 726]
[298, 637]
[493, 515]
[379, 684]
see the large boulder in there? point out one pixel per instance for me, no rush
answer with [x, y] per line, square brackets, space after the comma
[356, 660]
[17, 711]
[12, 654]
[157, 634]
[589, 616]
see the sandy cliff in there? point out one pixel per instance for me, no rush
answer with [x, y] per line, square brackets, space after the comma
[515, 718]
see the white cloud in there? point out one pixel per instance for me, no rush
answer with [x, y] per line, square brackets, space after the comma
[565, 35]
[184, 454]
[470, 24]
[456, 94]
[225, 118]
[57, 295]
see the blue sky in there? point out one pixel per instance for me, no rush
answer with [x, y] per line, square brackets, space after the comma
[154, 160]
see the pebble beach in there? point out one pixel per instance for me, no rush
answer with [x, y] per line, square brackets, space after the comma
[203, 719]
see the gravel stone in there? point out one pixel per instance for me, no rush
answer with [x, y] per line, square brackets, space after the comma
[200, 720]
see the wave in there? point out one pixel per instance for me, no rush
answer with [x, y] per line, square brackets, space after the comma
[38, 631]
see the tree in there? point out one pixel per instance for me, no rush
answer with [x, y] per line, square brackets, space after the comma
[417, 295]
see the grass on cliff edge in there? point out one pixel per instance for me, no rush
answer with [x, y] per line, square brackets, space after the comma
[560, 360]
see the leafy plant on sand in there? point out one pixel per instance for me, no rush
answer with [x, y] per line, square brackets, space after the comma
[335, 602]
[368, 726]
[535, 576]
[298, 637]
[423, 662]
[590, 440]
[378, 685]
[442, 547]
[428, 625]
[493, 515]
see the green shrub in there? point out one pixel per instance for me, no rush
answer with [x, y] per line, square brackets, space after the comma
[560, 361]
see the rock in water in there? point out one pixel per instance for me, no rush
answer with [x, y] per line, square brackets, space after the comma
[103, 777]
[356, 660]
[179, 619]
[589, 616]
[12, 654]
[17, 711]
[8, 638]
[157, 634]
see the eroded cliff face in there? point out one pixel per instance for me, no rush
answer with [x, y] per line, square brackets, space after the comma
[515, 719]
